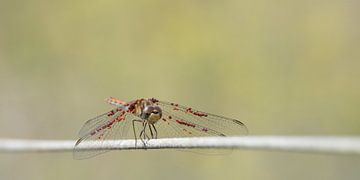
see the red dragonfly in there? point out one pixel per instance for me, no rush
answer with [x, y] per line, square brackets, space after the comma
[157, 119]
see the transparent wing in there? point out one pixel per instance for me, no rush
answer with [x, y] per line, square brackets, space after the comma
[91, 125]
[181, 121]
[108, 126]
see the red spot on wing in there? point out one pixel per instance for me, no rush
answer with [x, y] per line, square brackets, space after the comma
[200, 114]
[112, 112]
[196, 113]
[185, 123]
[109, 124]
[120, 117]
[131, 107]
[154, 100]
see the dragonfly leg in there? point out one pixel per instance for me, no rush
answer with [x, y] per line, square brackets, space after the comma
[152, 134]
[146, 137]
[143, 136]
[154, 130]
[142, 140]
[133, 124]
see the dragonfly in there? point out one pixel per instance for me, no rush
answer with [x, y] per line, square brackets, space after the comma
[151, 119]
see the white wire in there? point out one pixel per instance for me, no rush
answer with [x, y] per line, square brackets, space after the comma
[319, 144]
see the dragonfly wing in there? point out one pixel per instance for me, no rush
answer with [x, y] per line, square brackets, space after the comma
[116, 127]
[185, 121]
[93, 123]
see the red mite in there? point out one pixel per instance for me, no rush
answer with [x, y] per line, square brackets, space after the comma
[143, 117]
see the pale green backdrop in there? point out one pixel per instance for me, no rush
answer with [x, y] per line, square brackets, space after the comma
[281, 67]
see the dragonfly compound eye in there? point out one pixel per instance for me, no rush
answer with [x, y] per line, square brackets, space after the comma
[155, 115]
[157, 110]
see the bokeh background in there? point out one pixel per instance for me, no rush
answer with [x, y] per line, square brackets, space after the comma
[281, 67]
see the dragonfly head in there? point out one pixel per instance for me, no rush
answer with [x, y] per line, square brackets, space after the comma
[151, 113]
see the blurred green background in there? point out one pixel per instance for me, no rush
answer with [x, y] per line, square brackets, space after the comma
[281, 67]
